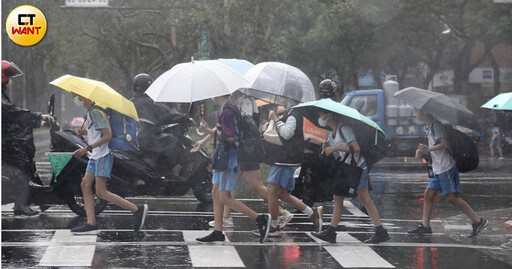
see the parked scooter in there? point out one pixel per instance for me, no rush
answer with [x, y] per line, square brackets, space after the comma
[131, 174]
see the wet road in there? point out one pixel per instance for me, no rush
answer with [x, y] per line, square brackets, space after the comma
[167, 240]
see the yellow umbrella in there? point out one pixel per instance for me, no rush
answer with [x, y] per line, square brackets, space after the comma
[98, 92]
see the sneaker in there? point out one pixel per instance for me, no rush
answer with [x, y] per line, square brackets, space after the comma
[507, 245]
[328, 235]
[318, 214]
[216, 238]
[86, 229]
[378, 236]
[478, 228]
[501, 158]
[263, 222]
[284, 219]
[421, 230]
[139, 217]
[274, 232]
[226, 223]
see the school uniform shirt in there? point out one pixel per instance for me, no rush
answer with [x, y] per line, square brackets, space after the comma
[442, 161]
[247, 106]
[337, 139]
[226, 123]
[97, 120]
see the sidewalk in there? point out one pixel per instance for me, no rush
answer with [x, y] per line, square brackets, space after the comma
[458, 228]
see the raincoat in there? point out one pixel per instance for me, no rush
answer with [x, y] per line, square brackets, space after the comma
[18, 147]
[150, 137]
[18, 151]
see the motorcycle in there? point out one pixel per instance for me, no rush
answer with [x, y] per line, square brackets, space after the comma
[132, 173]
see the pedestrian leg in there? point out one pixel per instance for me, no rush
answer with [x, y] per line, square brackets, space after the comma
[103, 193]
[428, 206]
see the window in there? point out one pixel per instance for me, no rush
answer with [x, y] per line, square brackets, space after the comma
[367, 103]
[486, 74]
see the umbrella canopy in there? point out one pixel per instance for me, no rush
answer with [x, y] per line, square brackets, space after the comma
[98, 92]
[195, 81]
[441, 106]
[239, 65]
[351, 117]
[500, 102]
[273, 79]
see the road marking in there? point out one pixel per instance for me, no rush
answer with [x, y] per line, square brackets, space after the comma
[66, 249]
[356, 255]
[211, 255]
[353, 209]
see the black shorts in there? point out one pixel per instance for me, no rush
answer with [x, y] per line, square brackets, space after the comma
[249, 166]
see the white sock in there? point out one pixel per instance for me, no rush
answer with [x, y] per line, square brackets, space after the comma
[274, 223]
[308, 211]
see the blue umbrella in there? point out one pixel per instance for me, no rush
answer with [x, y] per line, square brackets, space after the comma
[240, 66]
[500, 102]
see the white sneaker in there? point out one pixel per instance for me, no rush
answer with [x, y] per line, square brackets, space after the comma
[284, 219]
[226, 223]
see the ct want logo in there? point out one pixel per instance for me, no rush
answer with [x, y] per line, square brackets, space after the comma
[26, 25]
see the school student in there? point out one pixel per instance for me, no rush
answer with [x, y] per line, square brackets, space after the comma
[280, 180]
[224, 182]
[445, 178]
[340, 144]
[251, 170]
[99, 167]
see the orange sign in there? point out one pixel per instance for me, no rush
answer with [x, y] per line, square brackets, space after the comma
[312, 133]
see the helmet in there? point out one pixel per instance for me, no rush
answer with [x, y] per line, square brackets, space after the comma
[9, 69]
[327, 88]
[141, 83]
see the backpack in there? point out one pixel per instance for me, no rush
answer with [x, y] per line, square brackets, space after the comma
[124, 131]
[249, 148]
[371, 151]
[462, 148]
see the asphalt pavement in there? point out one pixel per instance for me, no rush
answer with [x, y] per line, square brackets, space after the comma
[173, 223]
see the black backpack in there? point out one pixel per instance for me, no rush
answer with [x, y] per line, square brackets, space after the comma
[463, 149]
[371, 152]
[249, 148]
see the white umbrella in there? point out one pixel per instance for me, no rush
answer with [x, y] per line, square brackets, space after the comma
[271, 79]
[195, 81]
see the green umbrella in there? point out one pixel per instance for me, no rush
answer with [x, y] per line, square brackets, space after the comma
[500, 102]
[349, 116]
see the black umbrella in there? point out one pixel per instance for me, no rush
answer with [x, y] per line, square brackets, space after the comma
[441, 106]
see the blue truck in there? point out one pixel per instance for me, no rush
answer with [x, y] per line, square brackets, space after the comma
[396, 118]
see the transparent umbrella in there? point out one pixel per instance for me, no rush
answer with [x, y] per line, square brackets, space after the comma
[441, 106]
[270, 80]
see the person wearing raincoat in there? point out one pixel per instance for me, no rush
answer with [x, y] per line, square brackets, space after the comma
[18, 149]
[166, 149]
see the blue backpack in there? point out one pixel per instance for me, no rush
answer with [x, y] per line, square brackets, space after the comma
[124, 131]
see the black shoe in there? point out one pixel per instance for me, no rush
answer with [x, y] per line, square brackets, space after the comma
[478, 228]
[328, 235]
[318, 214]
[139, 217]
[43, 208]
[86, 229]
[421, 230]
[25, 210]
[378, 236]
[263, 222]
[216, 237]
